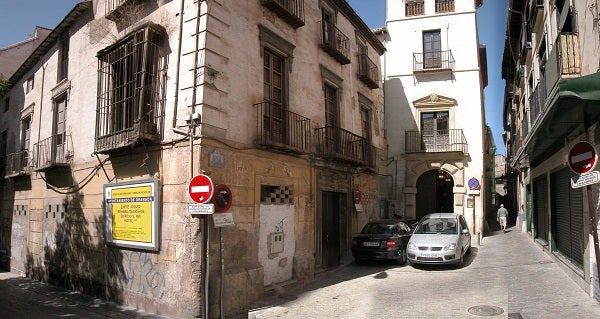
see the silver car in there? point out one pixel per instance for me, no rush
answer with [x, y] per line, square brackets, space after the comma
[441, 238]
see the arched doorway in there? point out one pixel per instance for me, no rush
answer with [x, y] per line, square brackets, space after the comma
[434, 193]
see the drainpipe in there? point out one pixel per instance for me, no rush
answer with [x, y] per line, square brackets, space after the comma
[41, 104]
[178, 65]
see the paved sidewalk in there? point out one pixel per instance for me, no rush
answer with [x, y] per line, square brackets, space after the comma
[507, 272]
[22, 297]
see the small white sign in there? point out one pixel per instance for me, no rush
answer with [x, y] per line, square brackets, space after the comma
[223, 219]
[201, 209]
[585, 179]
[473, 192]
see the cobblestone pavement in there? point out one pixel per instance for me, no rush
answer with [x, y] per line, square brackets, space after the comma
[506, 276]
[26, 298]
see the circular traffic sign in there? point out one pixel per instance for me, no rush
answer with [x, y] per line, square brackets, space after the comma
[474, 183]
[201, 189]
[222, 198]
[582, 157]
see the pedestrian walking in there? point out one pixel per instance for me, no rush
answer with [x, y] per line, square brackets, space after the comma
[501, 217]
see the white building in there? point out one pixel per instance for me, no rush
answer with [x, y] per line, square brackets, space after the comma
[435, 73]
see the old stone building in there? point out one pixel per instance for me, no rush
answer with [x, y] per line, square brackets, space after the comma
[435, 71]
[552, 104]
[278, 103]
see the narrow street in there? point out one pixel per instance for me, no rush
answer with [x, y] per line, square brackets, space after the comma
[495, 283]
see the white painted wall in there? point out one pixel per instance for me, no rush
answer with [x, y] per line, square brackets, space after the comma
[275, 219]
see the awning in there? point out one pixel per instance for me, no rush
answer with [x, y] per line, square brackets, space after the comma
[573, 109]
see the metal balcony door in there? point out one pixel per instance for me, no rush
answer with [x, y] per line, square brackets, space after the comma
[432, 49]
[60, 118]
[331, 119]
[434, 128]
[274, 94]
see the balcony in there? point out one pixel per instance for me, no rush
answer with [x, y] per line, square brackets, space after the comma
[414, 8]
[442, 6]
[290, 11]
[564, 60]
[282, 129]
[537, 100]
[335, 42]
[334, 143]
[115, 9]
[54, 151]
[127, 137]
[438, 61]
[436, 141]
[17, 164]
[536, 14]
[368, 72]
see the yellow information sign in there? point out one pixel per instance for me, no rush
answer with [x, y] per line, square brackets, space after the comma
[132, 213]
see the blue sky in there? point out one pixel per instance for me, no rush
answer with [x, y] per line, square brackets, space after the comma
[18, 19]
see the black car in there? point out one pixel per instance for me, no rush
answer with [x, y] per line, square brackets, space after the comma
[382, 240]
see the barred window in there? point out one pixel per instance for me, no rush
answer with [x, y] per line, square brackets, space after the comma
[130, 89]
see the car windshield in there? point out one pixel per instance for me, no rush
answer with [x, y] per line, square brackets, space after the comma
[377, 228]
[437, 225]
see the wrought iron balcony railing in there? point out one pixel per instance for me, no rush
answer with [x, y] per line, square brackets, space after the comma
[433, 61]
[54, 151]
[444, 6]
[563, 62]
[17, 164]
[282, 129]
[368, 72]
[414, 8]
[291, 11]
[335, 42]
[114, 9]
[334, 143]
[436, 141]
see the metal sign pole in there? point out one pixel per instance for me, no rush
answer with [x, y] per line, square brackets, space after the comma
[592, 213]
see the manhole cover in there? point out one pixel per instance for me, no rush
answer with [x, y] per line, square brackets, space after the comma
[484, 310]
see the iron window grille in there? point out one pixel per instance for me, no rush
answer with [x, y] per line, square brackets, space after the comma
[131, 78]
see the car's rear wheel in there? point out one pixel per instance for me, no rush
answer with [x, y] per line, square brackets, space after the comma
[402, 259]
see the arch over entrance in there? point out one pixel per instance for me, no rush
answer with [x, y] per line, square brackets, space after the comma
[434, 193]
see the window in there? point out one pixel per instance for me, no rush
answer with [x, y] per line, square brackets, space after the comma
[130, 92]
[444, 6]
[29, 85]
[25, 139]
[434, 122]
[277, 56]
[274, 86]
[6, 104]
[365, 116]
[63, 59]
[432, 49]
[59, 128]
[414, 8]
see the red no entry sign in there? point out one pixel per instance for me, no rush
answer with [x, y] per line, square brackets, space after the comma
[582, 157]
[201, 189]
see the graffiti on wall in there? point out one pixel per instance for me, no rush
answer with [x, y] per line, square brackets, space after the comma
[141, 274]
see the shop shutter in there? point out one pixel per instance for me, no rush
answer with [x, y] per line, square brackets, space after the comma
[567, 219]
[540, 208]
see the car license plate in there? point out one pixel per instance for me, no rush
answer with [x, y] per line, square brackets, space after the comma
[371, 244]
[428, 255]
